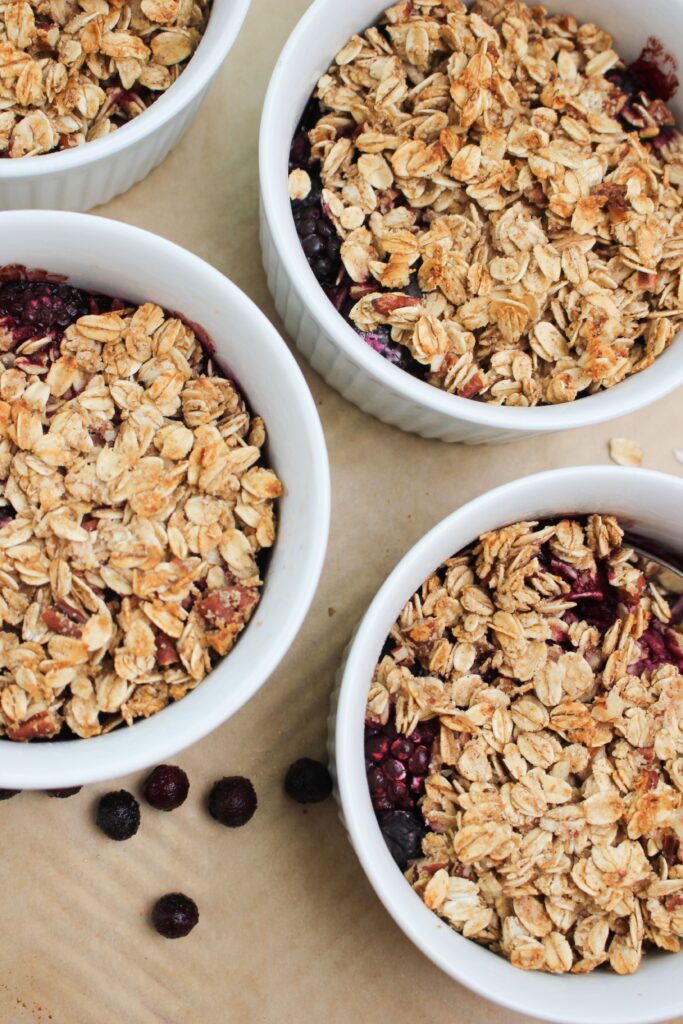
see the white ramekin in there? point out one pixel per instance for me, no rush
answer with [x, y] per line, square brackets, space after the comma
[114, 258]
[78, 179]
[328, 342]
[651, 504]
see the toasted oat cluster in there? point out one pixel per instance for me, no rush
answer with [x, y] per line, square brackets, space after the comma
[74, 70]
[508, 196]
[548, 662]
[136, 505]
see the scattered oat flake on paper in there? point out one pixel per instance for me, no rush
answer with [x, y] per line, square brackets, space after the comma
[625, 452]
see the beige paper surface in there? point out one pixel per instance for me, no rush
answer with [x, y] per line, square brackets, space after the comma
[290, 931]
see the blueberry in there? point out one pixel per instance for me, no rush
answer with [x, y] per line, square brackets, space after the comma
[308, 781]
[323, 268]
[175, 915]
[232, 801]
[118, 815]
[306, 227]
[313, 246]
[166, 787]
[333, 248]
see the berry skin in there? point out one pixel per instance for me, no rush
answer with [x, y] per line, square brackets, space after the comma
[232, 801]
[62, 794]
[166, 787]
[403, 832]
[175, 915]
[308, 781]
[118, 815]
[7, 794]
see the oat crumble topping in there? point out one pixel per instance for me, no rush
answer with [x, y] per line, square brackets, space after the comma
[548, 662]
[74, 70]
[136, 503]
[508, 198]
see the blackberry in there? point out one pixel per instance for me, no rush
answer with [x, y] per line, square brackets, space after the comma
[403, 832]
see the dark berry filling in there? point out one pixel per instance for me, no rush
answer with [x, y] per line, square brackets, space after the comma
[308, 781]
[118, 815]
[175, 915]
[403, 832]
[62, 794]
[33, 311]
[167, 787]
[232, 801]
[7, 794]
[396, 767]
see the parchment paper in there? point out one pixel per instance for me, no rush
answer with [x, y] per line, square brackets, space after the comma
[290, 930]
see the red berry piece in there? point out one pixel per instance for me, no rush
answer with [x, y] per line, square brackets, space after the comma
[175, 915]
[166, 787]
[376, 747]
[394, 769]
[308, 781]
[396, 765]
[377, 781]
[232, 801]
[418, 762]
[118, 815]
[402, 749]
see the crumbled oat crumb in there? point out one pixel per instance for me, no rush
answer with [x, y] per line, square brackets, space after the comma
[299, 184]
[506, 209]
[625, 452]
[551, 656]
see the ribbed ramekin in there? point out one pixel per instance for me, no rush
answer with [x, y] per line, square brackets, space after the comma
[91, 174]
[328, 342]
[114, 258]
[650, 503]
